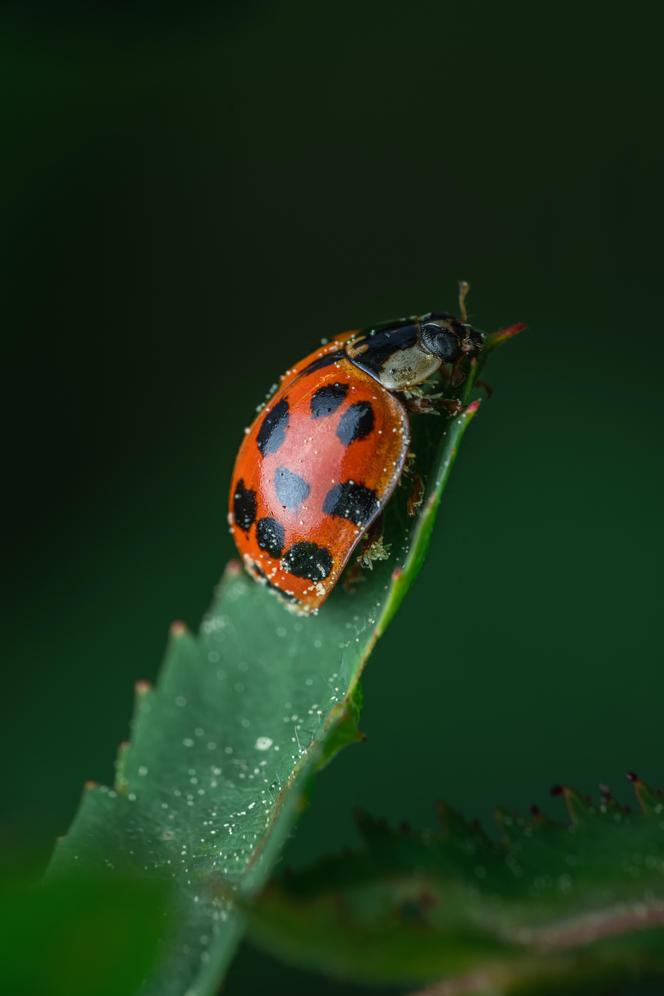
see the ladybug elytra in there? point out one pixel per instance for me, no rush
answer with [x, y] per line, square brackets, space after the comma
[321, 460]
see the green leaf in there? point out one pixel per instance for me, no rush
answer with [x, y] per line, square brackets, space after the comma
[545, 908]
[223, 748]
[347, 730]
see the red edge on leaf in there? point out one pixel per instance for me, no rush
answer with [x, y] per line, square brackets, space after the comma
[509, 331]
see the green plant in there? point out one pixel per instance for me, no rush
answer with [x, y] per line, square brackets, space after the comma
[541, 907]
[223, 748]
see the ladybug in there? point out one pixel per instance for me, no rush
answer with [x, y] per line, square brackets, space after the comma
[323, 457]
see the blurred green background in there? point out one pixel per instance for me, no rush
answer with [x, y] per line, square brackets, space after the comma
[191, 198]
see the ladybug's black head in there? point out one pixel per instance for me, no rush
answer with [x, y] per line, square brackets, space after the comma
[445, 336]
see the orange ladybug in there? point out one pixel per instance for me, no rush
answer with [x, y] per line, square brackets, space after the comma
[322, 458]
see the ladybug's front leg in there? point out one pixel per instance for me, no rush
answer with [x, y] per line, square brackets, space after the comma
[455, 374]
[430, 405]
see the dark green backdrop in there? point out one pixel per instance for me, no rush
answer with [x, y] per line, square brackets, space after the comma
[190, 201]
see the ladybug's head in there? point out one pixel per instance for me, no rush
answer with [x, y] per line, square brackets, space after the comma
[446, 337]
[406, 353]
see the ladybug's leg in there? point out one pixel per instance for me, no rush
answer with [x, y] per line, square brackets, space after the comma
[447, 374]
[458, 372]
[433, 406]
[409, 466]
[454, 374]
[373, 548]
[415, 495]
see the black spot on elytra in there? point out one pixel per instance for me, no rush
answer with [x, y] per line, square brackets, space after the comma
[324, 361]
[327, 399]
[291, 489]
[308, 560]
[356, 423]
[273, 430]
[244, 506]
[351, 501]
[270, 536]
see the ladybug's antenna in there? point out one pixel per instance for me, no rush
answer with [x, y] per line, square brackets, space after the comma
[464, 287]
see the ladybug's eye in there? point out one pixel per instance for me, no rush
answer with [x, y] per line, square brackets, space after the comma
[440, 343]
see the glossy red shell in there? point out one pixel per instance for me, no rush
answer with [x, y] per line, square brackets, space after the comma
[313, 471]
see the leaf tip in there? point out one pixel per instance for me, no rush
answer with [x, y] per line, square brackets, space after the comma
[515, 329]
[649, 800]
[178, 628]
[90, 784]
[473, 407]
[509, 331]
[233, 568]
[578, 807]
[142, 687]
[503, 335]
